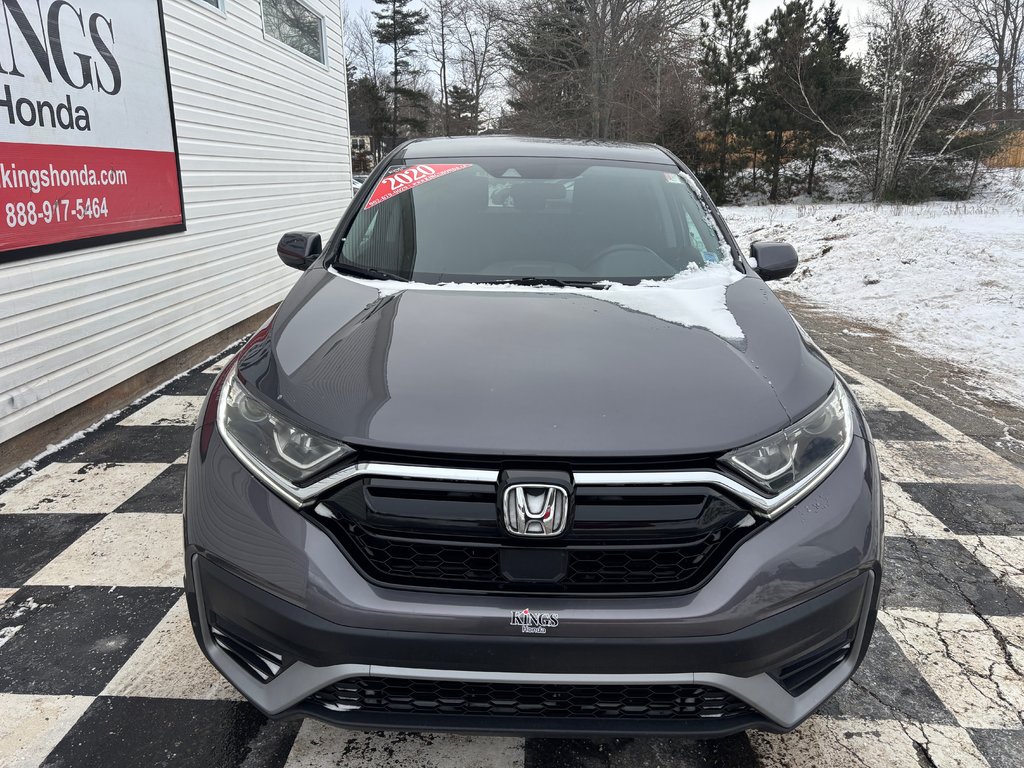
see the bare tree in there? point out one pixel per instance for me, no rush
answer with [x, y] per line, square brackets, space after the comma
[919, 60]
[1000, 24]
[615, 32]
[601, 62]
[477, 58]
[361, 47]
[659, 61]
[438, 48]
[918, 57]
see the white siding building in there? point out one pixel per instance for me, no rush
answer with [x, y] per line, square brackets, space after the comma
[263, 145]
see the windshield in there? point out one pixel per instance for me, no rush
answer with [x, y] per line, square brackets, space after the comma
[515, 219]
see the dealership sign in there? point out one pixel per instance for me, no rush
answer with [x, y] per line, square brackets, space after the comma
[88, 152]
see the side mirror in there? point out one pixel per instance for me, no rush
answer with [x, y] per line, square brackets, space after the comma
[299, 249]
[774, 260]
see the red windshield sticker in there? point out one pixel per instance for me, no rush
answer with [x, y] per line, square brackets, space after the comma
[407, 178]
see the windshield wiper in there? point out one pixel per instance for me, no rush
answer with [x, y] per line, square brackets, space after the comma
[371, 272]
[556, 281]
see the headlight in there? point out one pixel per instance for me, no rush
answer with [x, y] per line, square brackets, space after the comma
[800, 451]
[276, 447]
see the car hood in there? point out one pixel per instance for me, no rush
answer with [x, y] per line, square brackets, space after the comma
[530, 372]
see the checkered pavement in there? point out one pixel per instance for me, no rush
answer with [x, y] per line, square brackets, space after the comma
[98, 665]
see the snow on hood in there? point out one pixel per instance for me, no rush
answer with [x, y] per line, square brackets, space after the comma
[694, 297]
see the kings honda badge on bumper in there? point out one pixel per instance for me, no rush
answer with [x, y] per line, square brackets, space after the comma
[542, 394]
[534, 622]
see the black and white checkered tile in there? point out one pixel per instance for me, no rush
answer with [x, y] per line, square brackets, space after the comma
[98, 666]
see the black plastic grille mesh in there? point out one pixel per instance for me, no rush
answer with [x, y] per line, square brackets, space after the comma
[673, 566]
[407, 561]
[665, 702]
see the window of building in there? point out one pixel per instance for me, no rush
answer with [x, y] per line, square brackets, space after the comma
[295, 25]
[217, 5]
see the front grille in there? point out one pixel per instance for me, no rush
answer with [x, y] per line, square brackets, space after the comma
[668, 567]
[447, 535]
[665, 702]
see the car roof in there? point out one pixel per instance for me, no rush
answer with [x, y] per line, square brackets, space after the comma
[524, 146]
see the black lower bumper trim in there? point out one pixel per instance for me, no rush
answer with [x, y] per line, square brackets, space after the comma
[560, 727]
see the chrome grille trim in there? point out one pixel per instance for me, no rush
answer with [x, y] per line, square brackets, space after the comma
[306, 495]
[767, 506]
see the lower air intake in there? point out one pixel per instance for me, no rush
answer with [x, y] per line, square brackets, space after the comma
[805, 672]
[258, 662]
[664, 702]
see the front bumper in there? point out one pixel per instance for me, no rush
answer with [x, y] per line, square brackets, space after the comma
[749, 663]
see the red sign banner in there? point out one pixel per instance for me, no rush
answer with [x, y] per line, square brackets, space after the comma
[401, 181]
[88, 154]
[53, 193]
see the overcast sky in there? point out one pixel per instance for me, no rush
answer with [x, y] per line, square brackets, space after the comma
[762, 9]
[759, 11]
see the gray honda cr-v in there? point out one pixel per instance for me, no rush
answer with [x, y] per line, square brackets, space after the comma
[531, 447]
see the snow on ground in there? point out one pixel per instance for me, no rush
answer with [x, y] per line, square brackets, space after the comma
[945, 278]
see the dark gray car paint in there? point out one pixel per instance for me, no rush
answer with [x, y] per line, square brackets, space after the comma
[526, 146]
[530, 373]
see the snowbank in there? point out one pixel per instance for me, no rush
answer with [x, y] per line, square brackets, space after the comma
[946, 278]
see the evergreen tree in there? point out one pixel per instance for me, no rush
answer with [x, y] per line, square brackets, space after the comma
[726, 55]
[829, 82]
[397, 28]
[368, 108]
[777, 128]
[463, 114]
[548, 59]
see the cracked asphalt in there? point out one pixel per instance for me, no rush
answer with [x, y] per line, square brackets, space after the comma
[98, 665]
